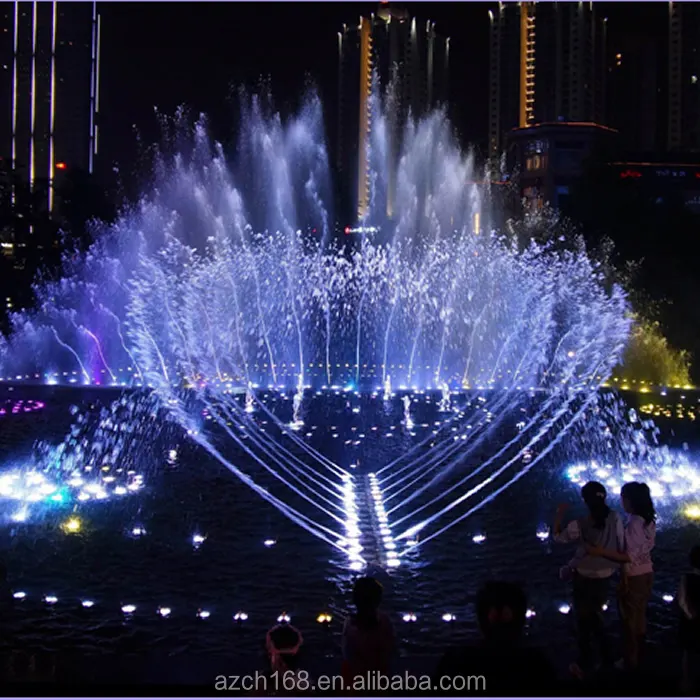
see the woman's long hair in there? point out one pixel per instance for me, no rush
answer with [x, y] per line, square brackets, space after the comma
[367, 596]
[594, 495]
[638, 496]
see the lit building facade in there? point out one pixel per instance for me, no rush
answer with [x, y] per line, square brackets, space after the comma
[683, 76]
[50, 88]
[550, 158]
[387, 48]
[547, 64]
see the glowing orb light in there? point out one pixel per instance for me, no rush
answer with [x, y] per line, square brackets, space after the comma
[692, 511]
[284, 618]
[565, 609]
[448, 617]
[240, 616]
[72, 525]
[324, 618]
[128, 609]
[87, 603]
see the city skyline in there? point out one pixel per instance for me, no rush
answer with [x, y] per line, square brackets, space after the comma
[50, 55]
[167, 73]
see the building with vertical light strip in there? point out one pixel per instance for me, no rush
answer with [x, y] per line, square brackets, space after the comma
[684, 76]
[50, 54]
[547, 64]
[397, 50]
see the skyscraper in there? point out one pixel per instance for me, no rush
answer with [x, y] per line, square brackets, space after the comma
[547, 63]
[683, 76]
[634, 88]
[389, 48]
[49, 87]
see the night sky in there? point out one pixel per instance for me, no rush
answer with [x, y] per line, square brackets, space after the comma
[170, 54]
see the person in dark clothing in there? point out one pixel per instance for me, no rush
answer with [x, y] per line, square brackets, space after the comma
[689, 619]
[368, 635]
[501, 663]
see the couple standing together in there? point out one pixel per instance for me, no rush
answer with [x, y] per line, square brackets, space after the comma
[605, 544]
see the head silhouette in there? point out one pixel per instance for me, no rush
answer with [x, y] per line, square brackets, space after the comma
[695, 557]
[594, 495]
[367, 596]
[636, 500]
[501, 609]
[283, 645]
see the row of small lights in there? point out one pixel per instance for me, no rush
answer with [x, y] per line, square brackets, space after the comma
[625, 385]
[392, 559]
[285, 618]
[352, 526]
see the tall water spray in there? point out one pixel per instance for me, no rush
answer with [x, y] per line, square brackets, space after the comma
[226, 275]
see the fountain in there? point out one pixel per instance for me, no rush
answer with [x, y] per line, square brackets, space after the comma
[406, 400]
[445, 400]
[249, 399]
[387, 389]
[226, 276]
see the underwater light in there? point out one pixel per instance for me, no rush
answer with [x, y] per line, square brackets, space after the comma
[393, 563]
[270, 543]
[543, 534]
[448, 617]
[164, 612]
[203, 614]
[667, 598]
[198, 539]
[324, 618]
[128, 609]
[87, 603]
[530, 613]
[284, 618]
[409, 617]
[19, 595]
[72, 525]
[692, 512]
[565, 609]
[240, 616]
[479, 539]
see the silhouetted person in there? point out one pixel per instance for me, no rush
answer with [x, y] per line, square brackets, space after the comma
[689, 620]
[591, 575]
[501, 663]
[368, 635]
[283, 644]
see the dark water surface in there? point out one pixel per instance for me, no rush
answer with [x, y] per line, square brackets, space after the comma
[234, 571]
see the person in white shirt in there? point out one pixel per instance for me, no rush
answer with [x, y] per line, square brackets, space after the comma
[591, 575]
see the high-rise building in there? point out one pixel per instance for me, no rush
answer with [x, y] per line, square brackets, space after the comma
[635, 93]
[547, 64]
[683, 76]
[49, 91]
[389, 48]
